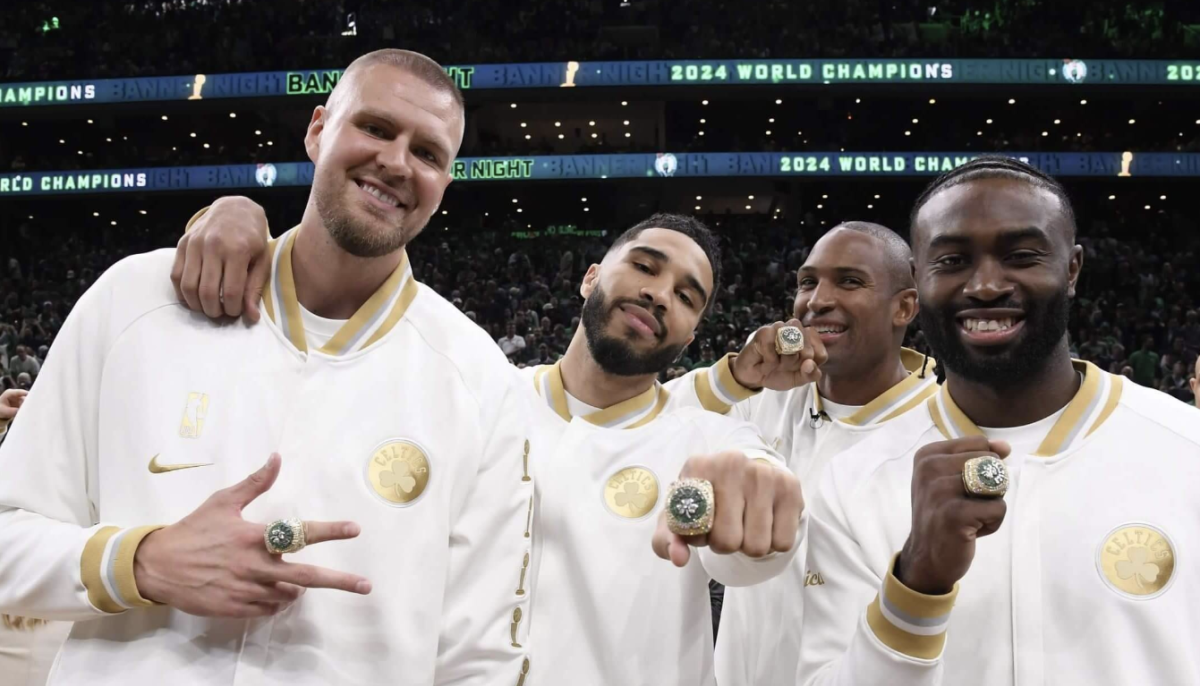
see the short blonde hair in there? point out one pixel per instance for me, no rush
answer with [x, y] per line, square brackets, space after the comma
[414, 63]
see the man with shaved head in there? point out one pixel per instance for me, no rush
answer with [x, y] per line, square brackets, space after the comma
[396, 415]
[855, 292]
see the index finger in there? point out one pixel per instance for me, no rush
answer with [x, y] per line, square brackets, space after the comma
[233, 285]
[954, 445]
[311, 576]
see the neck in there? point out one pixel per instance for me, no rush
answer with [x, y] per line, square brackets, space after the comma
[330, 282]
[584, 379]
[866, 383]
[1033, 398]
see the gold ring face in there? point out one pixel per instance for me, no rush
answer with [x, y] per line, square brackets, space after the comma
[985, 477]
[789, 340]
[284, 536]
[691, 507]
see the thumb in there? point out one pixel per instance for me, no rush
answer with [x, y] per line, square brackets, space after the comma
[256, 281]
[1001, 448]
[244, 492]
[678, 549]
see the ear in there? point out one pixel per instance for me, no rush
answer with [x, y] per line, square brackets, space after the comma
[590, 278]
[312, 137]
[1074, 268]
[907, 307]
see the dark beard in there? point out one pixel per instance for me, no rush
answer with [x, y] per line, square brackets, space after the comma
[1044, 330]
[355, 238]
[614, 355]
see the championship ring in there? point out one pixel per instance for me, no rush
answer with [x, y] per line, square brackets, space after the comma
[691, 507]
[284, 536]
[985, 477]
[789, 340]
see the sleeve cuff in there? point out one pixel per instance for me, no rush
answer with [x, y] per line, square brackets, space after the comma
[195, 218]
[908, 622]
[718, 390]
[106, 568]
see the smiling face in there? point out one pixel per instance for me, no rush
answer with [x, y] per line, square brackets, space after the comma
[644, 301]
[847, 291]
[996, 268]
[382, 149]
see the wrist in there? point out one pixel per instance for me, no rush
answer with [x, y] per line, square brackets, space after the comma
[145, 578]
[914, 579]
[740, 375]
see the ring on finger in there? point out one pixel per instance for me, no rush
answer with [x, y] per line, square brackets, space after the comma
[789, 340]
[285, 536]
[691, 507]
[985, 477]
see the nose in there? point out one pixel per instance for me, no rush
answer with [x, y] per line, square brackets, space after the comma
[395, 159]
[657, 292]
[822, 297]
[988, 282]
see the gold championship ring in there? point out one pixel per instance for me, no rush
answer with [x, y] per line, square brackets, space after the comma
[789, 340]
[691, 507]
[284, 536]
[985, 477]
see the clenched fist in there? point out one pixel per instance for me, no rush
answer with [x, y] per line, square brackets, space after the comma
[945, 520]
[760, 366]
[758, 507]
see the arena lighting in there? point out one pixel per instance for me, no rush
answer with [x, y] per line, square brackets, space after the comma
[445, 212]
[697, 207]
[849, 116]
[520, 210]
[1057, 121]
[585, 209]
[820, 207]
[908, 133]
[108, 139]
[933, 101]
[978, 133]
[876, 196]
[778, 102]
[627, 134]
[858, 100]
[701, 133]
[61, 142]
[95, 214]
[557, 124]
[91, 122]
[514, 199]
[164, 117]
[113, 222]
[1112, 197]
[747, 207]
[1147, 207]
[206, 146]
[528, 137]
[624, 103]
[192, 134]
[916, 121]
[523, 125]
[771, 120]
[583, 199]
[768, 132]
[1083, 102]
[560, 136]
[79, 151]
[270, 142]
[1162, 197]
[626, 122]
[1131, 121]
[31, 216]
[139, 212]
[699, 197]
[594, 135]
[705, 121]
[989, 121]
[750, 197]
[591, 123]
[824, 197]
[1012, 101]
[1045, 133]
[703, 102]
[514, 105]
[25, 123]
[870, 207]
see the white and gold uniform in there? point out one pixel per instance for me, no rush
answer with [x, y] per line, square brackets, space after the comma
[406, 421]
[759, 641]
[1091, 579]
[605, 609]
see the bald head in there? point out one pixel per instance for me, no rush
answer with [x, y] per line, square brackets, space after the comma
[894, 252]
[414, 63]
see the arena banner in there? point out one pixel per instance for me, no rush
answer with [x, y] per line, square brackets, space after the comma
[640, 166]
[655, 73]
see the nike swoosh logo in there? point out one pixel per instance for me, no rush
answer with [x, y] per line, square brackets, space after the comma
[156, 468]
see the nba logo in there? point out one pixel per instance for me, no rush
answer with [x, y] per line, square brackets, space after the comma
[265, 175]
[665, 164]
[1075, 71]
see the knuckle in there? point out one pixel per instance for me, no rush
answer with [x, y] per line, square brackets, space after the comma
[305, 576]
[756, 549]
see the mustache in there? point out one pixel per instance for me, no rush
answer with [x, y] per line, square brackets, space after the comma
[647, 306]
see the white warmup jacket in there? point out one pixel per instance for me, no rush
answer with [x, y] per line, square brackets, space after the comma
[407, 421]
[1091, 579]
[759, 641]
[606, 610]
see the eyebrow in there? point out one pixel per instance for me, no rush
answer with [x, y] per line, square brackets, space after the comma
[808, 269]
[1009, 236]
[664, 258]
[386, 118]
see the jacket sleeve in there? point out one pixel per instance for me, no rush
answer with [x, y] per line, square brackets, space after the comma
[861, 625]
[713, 389]
[58, 559]
[738, 569]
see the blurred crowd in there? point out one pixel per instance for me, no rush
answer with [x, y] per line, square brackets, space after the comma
[52, 39]
[1136, 313]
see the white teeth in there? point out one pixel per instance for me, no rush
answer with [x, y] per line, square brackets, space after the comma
[830, 329]
[380, 194]
[988, 324]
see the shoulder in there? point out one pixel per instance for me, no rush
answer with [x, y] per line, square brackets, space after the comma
[452, 335]
[885, 454]
[1162, 411]
[131, 288]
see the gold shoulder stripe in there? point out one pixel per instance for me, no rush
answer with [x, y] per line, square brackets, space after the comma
[1114, 398]
[663, 397]
[407, 295]
[292, 324]
[936, 413]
